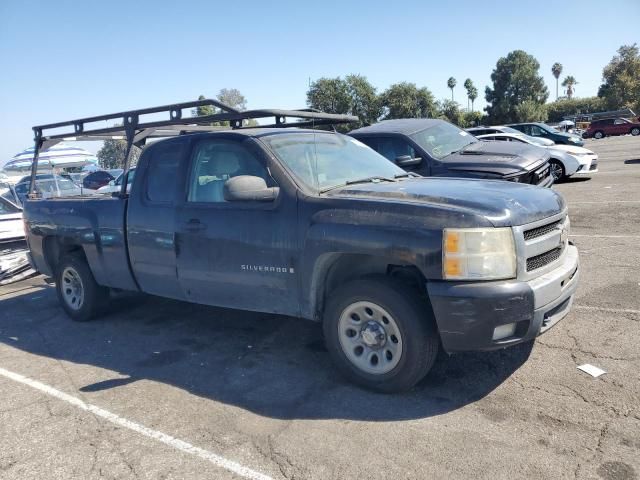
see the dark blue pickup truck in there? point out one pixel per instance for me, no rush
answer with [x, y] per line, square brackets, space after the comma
[317, 225]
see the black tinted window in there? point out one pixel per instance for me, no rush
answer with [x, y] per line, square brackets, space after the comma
[162, 172]
[392, 148]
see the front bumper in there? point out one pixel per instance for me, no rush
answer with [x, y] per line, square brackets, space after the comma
[588, 167]
[467, 313]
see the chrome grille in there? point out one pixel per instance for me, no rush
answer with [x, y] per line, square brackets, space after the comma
[539, 261]
[540, 245]
[540, 231]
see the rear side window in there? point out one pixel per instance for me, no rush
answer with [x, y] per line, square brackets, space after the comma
[162, 172]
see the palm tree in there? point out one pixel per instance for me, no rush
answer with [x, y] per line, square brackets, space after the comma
[468, 85]
[569, 82]
[473, 94]
[556, 69]
[451, 83]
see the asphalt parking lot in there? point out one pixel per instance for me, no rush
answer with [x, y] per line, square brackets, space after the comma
[162, 389]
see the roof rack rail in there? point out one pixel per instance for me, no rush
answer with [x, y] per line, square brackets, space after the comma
[132, 128]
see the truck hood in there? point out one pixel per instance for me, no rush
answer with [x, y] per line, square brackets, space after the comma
[503, 158]
[501, 203]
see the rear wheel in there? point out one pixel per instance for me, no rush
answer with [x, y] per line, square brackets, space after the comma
[380, 334]
[635, 131]
[557, 170]
[79, 294]
[598, 134]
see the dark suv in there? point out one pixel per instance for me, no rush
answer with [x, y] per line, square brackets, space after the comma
[612, 126]
[545, 131]
[432, 147]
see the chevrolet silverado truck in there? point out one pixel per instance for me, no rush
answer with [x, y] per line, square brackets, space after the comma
[316, 225]
[433, 147]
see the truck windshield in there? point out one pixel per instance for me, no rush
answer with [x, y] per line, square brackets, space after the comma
[322, 161]
[443, 139]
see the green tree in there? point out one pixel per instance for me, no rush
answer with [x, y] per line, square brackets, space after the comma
[233, 98]
[556, 69]
[531, 111]
[330, 95]
[621, 79]
[473, 94]
[406, 100]
[363, 100]
[472, 119]
[451, 83]
[112, 153]
[569, 82]
[468, 85]
[353, 95]
[450, 110]
[515, 80]
[564, 107]
[204, 109]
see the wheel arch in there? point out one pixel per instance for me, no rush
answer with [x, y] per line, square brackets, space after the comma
[334, 269]
[55, 248]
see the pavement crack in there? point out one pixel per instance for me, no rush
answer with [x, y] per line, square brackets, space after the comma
[287, 468]
[603, 433]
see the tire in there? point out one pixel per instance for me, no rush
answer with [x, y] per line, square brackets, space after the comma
[598, 134]
[557, 170]
[400, 332]
[78, 293]
[635, 131]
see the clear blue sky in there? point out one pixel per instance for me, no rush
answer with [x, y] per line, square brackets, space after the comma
[66, 59]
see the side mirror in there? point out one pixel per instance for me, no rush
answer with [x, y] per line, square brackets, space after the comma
[247, 188]
[407, 161]
[112, 183]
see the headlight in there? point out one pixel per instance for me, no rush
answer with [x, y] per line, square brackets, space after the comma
[574, 139]
[478, 254]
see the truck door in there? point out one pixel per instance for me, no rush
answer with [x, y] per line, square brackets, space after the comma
[240, 254]
[151, 218]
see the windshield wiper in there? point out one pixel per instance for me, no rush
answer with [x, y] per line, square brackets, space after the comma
[374, 179]
[406, 175]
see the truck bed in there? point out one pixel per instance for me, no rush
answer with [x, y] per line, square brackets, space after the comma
[95, 223]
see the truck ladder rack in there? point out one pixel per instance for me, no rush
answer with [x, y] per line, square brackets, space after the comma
[132, 128]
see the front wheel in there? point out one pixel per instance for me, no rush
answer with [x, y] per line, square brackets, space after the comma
[380, 334]
[79, 294]
[635, 131]
[598, 135]
[557, 170]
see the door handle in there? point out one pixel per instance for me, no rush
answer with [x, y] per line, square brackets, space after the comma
[194, 225]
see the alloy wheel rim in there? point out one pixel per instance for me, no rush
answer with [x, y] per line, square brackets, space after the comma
[370, 338]
[556, 171]
[72, 288]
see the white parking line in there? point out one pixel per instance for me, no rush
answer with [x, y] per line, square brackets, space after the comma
[136, 427]
[605, 236]
[607, 310]
[605, 202]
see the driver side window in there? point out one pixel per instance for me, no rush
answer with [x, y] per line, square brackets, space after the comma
[216, 161]
[392, 148]
[537, 131]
